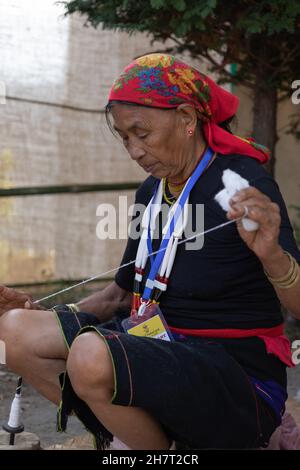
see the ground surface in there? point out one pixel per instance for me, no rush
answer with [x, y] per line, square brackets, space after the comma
[39, 415]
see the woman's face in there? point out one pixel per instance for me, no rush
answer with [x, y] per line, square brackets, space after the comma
[156, 139]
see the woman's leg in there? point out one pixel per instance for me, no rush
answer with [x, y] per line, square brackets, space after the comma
[35, 349]
[91, 373]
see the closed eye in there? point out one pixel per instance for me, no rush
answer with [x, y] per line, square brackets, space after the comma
[142, 136]
[125, 138]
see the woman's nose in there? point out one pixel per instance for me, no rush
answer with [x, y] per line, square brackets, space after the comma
[135, 151]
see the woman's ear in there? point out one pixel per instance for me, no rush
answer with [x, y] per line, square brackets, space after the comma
[188, 116]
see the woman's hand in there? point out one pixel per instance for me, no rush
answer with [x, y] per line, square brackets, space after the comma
[264, 241]
[11, 298]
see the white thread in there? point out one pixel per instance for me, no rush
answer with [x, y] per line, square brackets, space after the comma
[97, 276]
[15, 412]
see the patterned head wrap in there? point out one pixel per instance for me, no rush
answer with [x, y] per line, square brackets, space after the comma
[161, 81]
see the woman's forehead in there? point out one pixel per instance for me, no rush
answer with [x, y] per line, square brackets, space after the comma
[130, 116]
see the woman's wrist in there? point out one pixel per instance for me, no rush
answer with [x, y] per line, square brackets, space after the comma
[277, 264]
[282, 270]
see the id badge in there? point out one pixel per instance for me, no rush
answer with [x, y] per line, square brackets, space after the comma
[149, 322]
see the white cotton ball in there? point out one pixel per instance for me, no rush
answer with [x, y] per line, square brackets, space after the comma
[223, 198]
[233, 183]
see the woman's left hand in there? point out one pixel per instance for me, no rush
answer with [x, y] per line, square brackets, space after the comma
[264, 241]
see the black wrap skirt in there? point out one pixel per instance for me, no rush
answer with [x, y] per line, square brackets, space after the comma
[193, 387]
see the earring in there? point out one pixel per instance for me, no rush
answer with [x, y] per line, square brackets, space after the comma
[190, 132]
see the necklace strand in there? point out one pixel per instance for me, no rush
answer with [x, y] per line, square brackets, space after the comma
[166, 197]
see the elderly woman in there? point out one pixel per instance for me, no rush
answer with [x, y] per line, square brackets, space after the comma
[216, 376]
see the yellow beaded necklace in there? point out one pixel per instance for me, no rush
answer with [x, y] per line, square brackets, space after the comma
[177, 188]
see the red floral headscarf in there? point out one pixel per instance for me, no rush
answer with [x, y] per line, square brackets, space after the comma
[161, 81]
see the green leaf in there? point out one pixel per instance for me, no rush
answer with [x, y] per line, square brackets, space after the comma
[200, 25]
[254, 28]
[181, 28]
[179, 5]
[211, 3]
[212, 25]
[157, 4]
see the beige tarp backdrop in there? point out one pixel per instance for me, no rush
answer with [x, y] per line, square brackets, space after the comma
[57, 75]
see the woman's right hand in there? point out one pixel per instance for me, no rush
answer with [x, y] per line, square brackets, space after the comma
[11, 298]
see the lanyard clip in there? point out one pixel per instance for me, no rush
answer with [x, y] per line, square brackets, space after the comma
[142, 307]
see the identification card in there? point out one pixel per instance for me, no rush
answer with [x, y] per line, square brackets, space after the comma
[149, 323]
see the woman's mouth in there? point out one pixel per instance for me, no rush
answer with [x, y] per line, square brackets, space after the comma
[148, 168]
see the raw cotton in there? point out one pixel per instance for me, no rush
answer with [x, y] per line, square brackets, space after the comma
[233, 183]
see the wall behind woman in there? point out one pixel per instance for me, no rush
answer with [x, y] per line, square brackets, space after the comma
[52, 132]
[57, 75]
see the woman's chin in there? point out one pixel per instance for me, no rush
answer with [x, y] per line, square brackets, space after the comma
[158, 172]
[155, 171]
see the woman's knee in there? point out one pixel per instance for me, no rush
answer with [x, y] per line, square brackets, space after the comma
[12, 332]
[90, 368]
[30, 334]
[10, 324]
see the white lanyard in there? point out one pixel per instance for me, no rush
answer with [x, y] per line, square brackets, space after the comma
[149, 217]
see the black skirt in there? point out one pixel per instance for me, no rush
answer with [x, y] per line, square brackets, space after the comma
[193, 387]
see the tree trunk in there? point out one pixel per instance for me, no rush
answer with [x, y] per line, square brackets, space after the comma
[265, 120]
